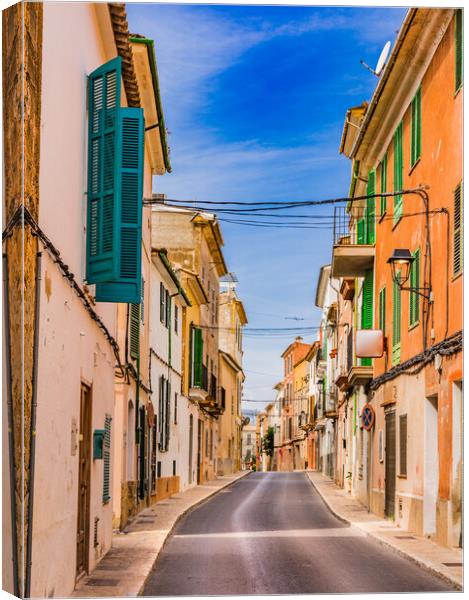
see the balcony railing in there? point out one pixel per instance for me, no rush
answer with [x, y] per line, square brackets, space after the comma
[353, 253]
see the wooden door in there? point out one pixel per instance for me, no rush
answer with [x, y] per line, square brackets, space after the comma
[199, 449]
[390, 465]
[83, 520]
[191, 434]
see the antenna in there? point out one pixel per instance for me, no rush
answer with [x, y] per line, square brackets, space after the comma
[381, 60]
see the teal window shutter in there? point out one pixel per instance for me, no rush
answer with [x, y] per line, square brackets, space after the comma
[396, 324]
[416, 128]
[107, 460]
[414, 298]
[197, 354]
[384, 182]
[370, 208]
[102, 243]
[382, 310]
[126, 287]
[458, 48]
[398, 172]
[367, 308]
[361, 231]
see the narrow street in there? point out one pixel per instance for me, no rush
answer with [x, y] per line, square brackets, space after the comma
[271, 533]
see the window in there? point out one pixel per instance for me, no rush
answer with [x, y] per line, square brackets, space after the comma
[158, 469]
[115, 189]
[174, 468]
[458, 48]
[380, 446]
[196, 356]
[382, 311]
[176, 318]
[416, 128]
[206, 443]
[414, 298]
[396, 324]
[175, 408]
[370, 208]
[134, 331]
[164, 394]
[162, 303]
[403, 445]
[107, 459]
[457, 232]
[167, 321]
[367, 309]
[398, 172]
[154, 442]
[384, 182]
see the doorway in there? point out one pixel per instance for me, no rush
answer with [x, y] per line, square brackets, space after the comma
[431, 465]
[457, 464]
[84, 470]
[390, 465]
[199, 449]
[191, 434]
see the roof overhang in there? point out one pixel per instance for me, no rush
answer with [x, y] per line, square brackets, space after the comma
[416, 43]
[231, 361]
[192, 282]
[161, 261]
[351, 128]
[144, 60]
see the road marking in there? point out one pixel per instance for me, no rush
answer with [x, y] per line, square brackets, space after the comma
[336, 532]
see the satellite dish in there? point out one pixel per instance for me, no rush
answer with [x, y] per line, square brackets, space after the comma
[382, 58]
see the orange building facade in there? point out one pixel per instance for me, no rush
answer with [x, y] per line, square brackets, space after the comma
[409, 139]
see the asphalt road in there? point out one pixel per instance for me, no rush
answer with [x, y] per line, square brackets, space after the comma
[271, 533]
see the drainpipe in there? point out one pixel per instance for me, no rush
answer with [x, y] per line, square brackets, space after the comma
[11, 435]
[32, 447]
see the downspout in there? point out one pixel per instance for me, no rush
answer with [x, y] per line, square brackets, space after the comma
[32, 448]
[11, 435]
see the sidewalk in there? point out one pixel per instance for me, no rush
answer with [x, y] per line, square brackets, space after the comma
[444, 562]
[124, 569]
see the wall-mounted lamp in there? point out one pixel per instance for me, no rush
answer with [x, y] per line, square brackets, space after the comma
[401, 262]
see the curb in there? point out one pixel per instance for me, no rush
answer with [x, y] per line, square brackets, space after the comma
[181, 515]
[384, 542]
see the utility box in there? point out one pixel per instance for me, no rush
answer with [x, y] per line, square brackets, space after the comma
[98, 443]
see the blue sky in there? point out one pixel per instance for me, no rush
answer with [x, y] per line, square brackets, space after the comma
[254, 99]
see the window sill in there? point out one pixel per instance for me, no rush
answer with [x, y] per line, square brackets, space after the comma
[458, 90]
[396, 223]
[457, 276]
[402, 476]
[414, 326]
[382, 216]
[414, 165]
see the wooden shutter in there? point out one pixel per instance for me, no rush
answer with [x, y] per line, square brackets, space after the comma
[384, 182]
[396, 324]
[197, 357]
[458, 48]
[370, 208]
[414, 298]
[134, 331]
[161, 399]
[382, 311]
[403, 445]
[128, 165]
[162, 302]
[167, 416]
[457, 232]
[367, 309]
[102, 243]
[398, 172]
[361, 231]
[416, 128]
[107, 460]
[167, 321]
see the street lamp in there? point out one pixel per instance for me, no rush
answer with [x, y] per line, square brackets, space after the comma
[401, 262]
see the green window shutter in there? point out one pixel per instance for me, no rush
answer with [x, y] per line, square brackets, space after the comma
[107, 460]
[367, 309]
[384, 182]
[382, 310]
[396, 324]
[414, 298]
[370, 209]
[457, 232]
[134, 330]
[458, 48]
[416, 128]
[126, 287]
[162, 302]
[102, 244]
[398, 172]
[361, 231]
[197, 354]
